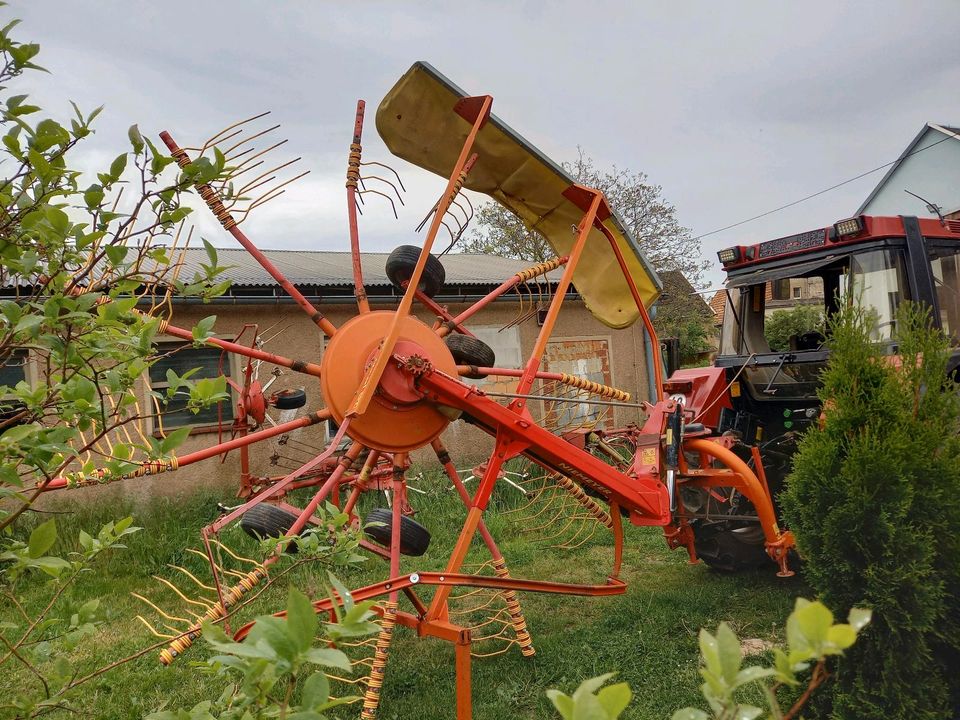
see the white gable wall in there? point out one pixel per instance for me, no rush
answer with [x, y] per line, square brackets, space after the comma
[933, 174]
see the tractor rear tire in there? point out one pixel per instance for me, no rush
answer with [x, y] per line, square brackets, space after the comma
[402, 262]
[468, 350]
[730, 549]
[414, 537]
[268, 521]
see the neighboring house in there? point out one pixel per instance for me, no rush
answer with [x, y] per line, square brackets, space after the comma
[581, 346]
[928, 167]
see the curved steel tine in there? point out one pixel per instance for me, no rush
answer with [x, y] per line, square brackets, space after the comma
[377, 192]
[395, 173]
[237, 124]
[249, 139]
[256, 182]
[383, 180]
[428, 216]
[262, 153]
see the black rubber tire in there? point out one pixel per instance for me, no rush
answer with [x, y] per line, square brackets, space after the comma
[268, 521]
[414, 537]
[401, 263]
[729, 549]
[468, 350]
[290, 399]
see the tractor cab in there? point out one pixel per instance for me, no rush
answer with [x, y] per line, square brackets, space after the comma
[780, 292]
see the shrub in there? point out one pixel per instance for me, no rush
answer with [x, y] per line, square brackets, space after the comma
[874, 501]
[783, 324]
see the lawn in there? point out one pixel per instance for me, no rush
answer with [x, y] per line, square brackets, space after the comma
[648, 635]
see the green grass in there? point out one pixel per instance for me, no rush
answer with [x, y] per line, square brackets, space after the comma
[648, 635]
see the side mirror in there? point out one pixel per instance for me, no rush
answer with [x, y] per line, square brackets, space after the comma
[671, 354]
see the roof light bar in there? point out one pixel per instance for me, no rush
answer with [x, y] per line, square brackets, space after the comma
[729, 255]
[850, 226]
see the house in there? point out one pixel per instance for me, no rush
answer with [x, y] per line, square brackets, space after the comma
[929, 167]
[580, 346]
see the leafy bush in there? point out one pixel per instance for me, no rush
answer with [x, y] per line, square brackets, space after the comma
[874, 501]
[783, 324]
[275, 660]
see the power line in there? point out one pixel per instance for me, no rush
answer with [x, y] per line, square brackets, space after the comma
[825, 190]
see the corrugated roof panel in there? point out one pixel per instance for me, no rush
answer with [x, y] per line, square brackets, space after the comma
[333, 268]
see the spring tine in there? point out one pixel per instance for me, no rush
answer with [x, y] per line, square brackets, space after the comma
[153, 630]
[427, 216]
[248, 139]
[191, 576]
[377, 192]
[217, 137]
[383, 180]
[395, 173]
[155, 607]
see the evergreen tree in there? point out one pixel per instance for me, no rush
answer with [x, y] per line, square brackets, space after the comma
[874, 501]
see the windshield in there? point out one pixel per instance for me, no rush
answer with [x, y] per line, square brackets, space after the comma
[945, 263]
[787, 314]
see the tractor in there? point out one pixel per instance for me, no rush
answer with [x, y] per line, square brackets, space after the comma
[761, 390]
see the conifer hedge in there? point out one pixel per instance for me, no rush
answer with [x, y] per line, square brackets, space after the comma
[874, 501]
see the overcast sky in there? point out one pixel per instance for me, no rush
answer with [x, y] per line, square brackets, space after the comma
[733, 107]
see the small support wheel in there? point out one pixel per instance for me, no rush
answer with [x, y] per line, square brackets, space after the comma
[468, 350]
[289, 399]
[268, 521]
[414, 537]
[401, 263]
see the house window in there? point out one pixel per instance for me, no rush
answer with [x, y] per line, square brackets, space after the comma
[180, 358]
[12, 371]
[797, 293]
[14, 368]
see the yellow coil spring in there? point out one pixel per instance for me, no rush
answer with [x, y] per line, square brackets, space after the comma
[161, 329]
[353, 165]
[209, 195]
[458, 185]
[516, 614]
[595, 388]
[217, 611]
[588, 503]
[101, 476]
[540, 269]
[371, 698]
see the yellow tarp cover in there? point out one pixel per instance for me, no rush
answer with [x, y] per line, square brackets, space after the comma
[417, 122]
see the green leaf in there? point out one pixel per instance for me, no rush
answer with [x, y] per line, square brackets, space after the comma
[841, 637]
[301, 619]
[814, 620]
[728, 649]
[136, 139]
[116, 253]
[204, 328]
[42, 539]
[859, 618]
[174, 440]
[316, 691]
[211, 252]
[615, 699]
[562, 702]
[329, 657]
[118, 166]
[52, 566]
[689, 713]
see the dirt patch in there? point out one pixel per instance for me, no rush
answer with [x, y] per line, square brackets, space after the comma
[754, 646]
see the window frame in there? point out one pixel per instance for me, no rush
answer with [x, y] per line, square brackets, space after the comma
[232, 370]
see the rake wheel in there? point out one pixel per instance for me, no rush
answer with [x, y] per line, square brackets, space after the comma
[403, 261]
[414, 537]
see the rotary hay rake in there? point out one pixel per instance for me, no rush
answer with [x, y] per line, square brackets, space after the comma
[393, 385]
